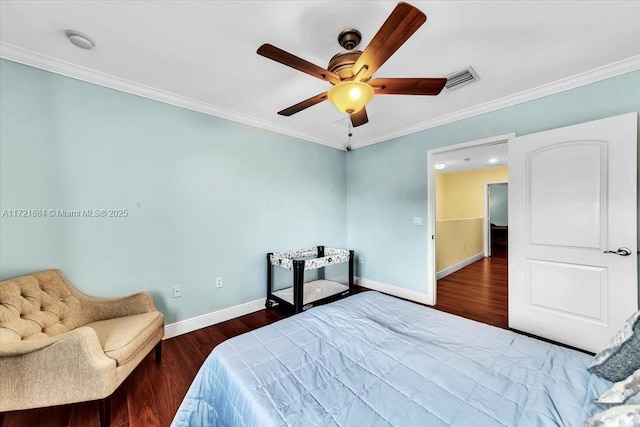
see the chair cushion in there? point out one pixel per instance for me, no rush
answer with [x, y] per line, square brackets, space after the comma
[122, 337]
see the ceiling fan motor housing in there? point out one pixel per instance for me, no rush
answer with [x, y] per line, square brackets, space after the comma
[342, 62]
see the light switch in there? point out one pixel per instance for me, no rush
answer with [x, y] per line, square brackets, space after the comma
[417, 220]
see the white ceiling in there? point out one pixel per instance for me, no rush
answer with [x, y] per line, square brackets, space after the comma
[201, 54]
[472, 158]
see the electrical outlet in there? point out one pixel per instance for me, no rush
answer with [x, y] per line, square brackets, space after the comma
[218, 282]
[177, 292]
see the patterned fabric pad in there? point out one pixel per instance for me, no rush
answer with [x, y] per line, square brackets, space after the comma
[331, 256]
[374, 360]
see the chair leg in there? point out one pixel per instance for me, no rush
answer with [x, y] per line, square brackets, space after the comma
[104, 406]
[159, 351]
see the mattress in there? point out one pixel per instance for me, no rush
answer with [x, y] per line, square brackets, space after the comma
[314, 291]
[375, 360]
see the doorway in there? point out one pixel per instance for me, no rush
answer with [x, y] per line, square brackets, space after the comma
[496, 216]
[464, 155]
[471, 243]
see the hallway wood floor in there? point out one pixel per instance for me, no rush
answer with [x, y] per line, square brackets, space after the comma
[478, 291]
[153, 392]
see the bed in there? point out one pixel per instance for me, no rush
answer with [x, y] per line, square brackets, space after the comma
[375, 360]
[312, 277]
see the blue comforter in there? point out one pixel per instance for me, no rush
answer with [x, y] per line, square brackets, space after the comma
[374, 360]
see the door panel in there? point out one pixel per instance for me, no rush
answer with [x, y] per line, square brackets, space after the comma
[572, 196]
[571, 214]
[556, 292]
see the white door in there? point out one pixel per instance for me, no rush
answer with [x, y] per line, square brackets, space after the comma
[572, 196]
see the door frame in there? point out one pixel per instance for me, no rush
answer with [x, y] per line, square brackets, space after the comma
[431, 204]
[487, 222]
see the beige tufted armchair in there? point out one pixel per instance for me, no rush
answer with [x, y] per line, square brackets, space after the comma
[59, 346]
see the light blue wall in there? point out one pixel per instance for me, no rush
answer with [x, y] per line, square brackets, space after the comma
[499, 204]
[206, 197]
[387, 182]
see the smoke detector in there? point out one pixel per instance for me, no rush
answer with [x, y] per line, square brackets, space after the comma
[79, 39]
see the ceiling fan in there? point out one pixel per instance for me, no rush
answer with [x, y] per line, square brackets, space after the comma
[350, 71]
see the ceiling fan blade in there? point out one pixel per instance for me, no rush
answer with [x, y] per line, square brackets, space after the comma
[303, 105]
[399, 26]
[408, 86]
[360, 118]
[286, 58]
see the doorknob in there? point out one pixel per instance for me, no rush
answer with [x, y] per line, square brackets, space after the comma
[621, 251]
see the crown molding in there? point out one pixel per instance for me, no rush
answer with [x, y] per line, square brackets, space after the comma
[47, 63]
[37, 60]
[601, 73]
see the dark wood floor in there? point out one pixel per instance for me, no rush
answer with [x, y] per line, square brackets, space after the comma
[151, 395]
[478, 291]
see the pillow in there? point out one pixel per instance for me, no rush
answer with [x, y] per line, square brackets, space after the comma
[623, 392]
[618, 416]
[621, 357]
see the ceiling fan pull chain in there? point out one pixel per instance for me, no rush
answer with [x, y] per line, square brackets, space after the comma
[349, 134]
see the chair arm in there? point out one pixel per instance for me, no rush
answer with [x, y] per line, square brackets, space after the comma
[85, 336]
[70, 367]
[20, 347]
[108, 308]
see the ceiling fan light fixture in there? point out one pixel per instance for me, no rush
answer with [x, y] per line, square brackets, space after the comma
[350, 97]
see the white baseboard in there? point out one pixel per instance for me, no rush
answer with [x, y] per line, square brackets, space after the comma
[416, 296]
[455, 267]
[189, 325]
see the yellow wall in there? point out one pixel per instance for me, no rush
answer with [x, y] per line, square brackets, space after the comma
[440, 200]
[457, 240]
[464, 192]
[460, 213]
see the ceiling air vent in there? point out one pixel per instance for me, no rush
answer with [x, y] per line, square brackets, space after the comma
[461, 78]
